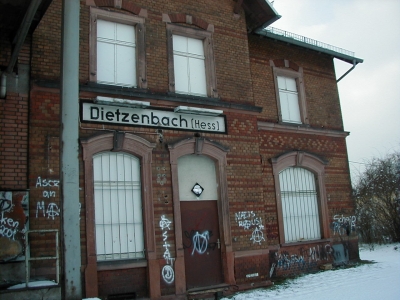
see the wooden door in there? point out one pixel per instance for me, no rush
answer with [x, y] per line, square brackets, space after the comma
[201, 243]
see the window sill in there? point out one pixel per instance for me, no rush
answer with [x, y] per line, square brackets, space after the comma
[193, 97]
[306, 242]
[121, 264]
[300, 128]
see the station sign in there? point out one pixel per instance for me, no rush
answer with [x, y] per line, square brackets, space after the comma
[194, 119]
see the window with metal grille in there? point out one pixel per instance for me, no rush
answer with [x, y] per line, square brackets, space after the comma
[289, 99]
[299, 205]
[118, 206]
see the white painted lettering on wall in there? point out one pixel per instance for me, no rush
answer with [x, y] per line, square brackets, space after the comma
[47, 182]
[8, 227]
[249, 220]
[343, 225]
[51, 209]
[14, 215]
[200, 242]
[167, 271]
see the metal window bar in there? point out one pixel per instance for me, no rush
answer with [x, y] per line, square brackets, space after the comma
[299, 205]
[28, 258]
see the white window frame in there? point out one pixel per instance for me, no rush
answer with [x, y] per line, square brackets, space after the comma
[118, 206]
[206, 38]
[298, 77]
[140, 56]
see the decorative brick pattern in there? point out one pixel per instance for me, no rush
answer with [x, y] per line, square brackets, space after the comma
[244, 76]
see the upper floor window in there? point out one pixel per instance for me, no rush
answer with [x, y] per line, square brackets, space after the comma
[117, 55]
[290, 93]
[289, 100]
[189, 66]
[191, 61]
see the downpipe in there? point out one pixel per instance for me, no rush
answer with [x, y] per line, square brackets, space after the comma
[3, 86]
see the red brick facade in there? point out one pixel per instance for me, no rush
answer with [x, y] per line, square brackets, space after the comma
[251, 254]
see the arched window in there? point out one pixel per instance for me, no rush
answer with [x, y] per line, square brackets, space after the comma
[117, 168]
[118, 206]
[301, 197]
[299, 205]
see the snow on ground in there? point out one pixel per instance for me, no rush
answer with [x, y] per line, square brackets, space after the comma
[32, 284]
[380, 280]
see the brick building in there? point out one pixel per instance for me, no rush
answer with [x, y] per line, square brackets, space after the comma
[212, 154]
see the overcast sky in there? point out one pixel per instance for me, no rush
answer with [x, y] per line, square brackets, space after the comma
[370, 94]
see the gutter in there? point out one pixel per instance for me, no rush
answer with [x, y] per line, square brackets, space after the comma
[18, 41]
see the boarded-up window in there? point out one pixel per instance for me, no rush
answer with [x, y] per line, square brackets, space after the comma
[118, 206]
[299, 205]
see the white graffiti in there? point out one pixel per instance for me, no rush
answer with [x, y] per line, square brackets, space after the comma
[40, 207]
[52, 210]
[49, 194]
[6, 201]
[247, 224]
[168, 274]
[271, 271]
[248, 220]
[8, 227]
[167, 271]
[343, 225]
[244, 215]
[257, 236]
[47, 182]
[200, 242]
[164, 223]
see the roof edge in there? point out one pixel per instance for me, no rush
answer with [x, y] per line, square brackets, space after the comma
[310, 44]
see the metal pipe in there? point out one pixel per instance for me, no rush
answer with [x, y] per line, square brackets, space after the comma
[3, 85]
[69, 151]
[22, 32]
[354, 65]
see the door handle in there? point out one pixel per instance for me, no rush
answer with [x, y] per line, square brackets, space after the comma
[219, 244]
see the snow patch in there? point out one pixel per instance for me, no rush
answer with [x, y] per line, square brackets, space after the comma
[368, 281]
[33, 284]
